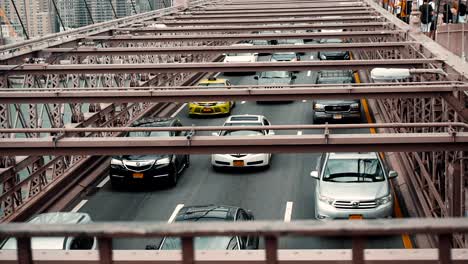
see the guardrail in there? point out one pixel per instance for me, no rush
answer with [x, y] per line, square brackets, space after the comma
[271, 231]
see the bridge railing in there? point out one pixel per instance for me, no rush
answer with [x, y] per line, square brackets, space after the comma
[357, 230]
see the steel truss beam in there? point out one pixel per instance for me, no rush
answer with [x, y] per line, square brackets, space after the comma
[244, 28]
[39, 69]
[284, 7]
[238, 92]
[210, 22]
[279, 11]
[85, 51]
[345, 12]
[398, 142]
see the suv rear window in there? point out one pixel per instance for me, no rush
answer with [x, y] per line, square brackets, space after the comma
[353, 170]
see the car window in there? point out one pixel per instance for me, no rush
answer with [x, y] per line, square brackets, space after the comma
[233, 243]
[82, 243]
[265, 122]
[149, 134]
[242, 133]
[275, 74]
[202, 243]
[243, 124]
[211, 84]
[353, 170]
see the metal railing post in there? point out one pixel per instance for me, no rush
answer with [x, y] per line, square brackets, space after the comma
[358, 250]
[105, 250]
[271, 249]
[188, 253]
[24, 250]
[445, 253]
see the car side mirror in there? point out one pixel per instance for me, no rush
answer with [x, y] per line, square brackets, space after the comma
[314, 174]
[256, 77]
[250, 215]
[392, 174]
[271, 132]
[224, 54]
[215, 134]
[293, 77]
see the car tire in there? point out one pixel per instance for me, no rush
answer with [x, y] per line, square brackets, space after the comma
[117, 185]
[216, 168]
[173, 177]
[316, 121]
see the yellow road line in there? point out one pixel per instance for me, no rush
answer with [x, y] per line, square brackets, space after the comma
[397, 209]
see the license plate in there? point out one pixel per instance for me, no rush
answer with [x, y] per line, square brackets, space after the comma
[238, 163]
[138, 175]
[207, 110]
[355, 217]
[337, 116]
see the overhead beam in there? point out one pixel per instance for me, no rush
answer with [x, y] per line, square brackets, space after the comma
[278, 11]
[401, 142]
[209, 22]
[91, 51]
[200, 94]
[9, 70]
[347, 12]
[248, 28]
[284, 7]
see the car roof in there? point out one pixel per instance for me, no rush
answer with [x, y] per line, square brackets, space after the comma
[51, 218]
[244, 118]
[242, 44]
[155, 122]
[213, 80]
[353, 155]
[207, 212]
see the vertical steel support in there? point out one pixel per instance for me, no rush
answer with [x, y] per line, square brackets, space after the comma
[24, 250]
[271, 249]
[188, 252]
[445, 253]
[358, 250]
[105, 250]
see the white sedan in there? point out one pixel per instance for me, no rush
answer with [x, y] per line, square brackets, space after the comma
[241, 57]
[240, 160]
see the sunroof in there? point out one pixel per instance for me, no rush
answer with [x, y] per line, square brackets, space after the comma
[244, 118]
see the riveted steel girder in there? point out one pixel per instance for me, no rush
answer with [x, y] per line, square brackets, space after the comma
[86, 51]
[211, 67]
[346, 12]
[201, 22]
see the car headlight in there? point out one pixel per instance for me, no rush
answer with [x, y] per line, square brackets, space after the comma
[116, 162]
[323, 56]
[319, 107]
[326, 199]
[384, 200]
[355, 106]
[163, 161]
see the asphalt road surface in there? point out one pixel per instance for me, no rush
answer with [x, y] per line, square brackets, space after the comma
[265, 192]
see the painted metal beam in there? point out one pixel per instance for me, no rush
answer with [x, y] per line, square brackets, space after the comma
[91, 51]
[401, 142]
[36, 69]
[345, 12]
[210, 22]
[237, 93]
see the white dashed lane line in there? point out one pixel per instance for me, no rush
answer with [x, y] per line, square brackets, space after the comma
[178, 110]
[78, 206]
[288, 212]
[299, 133]
[103, 182]
[309, 73]
[243, 102]
[174, 214]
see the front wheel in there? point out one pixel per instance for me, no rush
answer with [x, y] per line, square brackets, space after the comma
[173, 176]
[187, 161]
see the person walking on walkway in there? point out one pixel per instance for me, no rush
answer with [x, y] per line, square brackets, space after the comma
[426, 17]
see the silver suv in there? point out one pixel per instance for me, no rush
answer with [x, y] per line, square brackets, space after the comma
[352, 185]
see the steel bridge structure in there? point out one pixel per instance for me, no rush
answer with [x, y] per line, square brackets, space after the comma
[66, 98]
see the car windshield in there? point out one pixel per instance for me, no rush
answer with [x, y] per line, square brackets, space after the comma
[149, 134]
[239, 54]
[290, 41]
[353, 170]
[200, 243]
[243, 124]
[331, 41]
[283, 57]
[275, 74]
[242, 133]
[211, 84]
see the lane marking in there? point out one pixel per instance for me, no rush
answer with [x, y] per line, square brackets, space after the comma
[174, 214]
[217, 74]
[304, 101]
[309, 73]
[103, 182]
[178, 110]
[288, 212]
[243, 102]
[78, 206]
[299, 133]
[397, 209]
[311, 57]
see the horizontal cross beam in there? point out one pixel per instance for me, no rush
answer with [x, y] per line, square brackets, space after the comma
[210, 67]
[203, 22]
[345, 12]
[403, 142]
[237, 93]
[91, 51]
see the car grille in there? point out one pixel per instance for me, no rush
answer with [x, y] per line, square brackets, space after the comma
[337, 108]
[207, 104]
[238, 155]
[138, 168]
[355, 204]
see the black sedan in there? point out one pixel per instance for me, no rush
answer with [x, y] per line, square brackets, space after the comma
[333, 55]
[212, 213]
[149, 168]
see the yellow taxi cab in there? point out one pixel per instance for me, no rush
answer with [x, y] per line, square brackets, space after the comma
[211, 108]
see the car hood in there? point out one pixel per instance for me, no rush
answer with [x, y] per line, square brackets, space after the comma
[142, 158]
[360, 191]
[337, 102]
[239, 59]
[333, 53]
[284, 81]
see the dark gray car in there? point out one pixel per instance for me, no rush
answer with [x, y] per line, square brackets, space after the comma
[333, 55]
[336, 110]
[275, 78]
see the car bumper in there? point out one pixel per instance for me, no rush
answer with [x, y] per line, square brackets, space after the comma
[211, 110]
[250, 160]
[326, 211]
[123, 175]
[337, 115]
